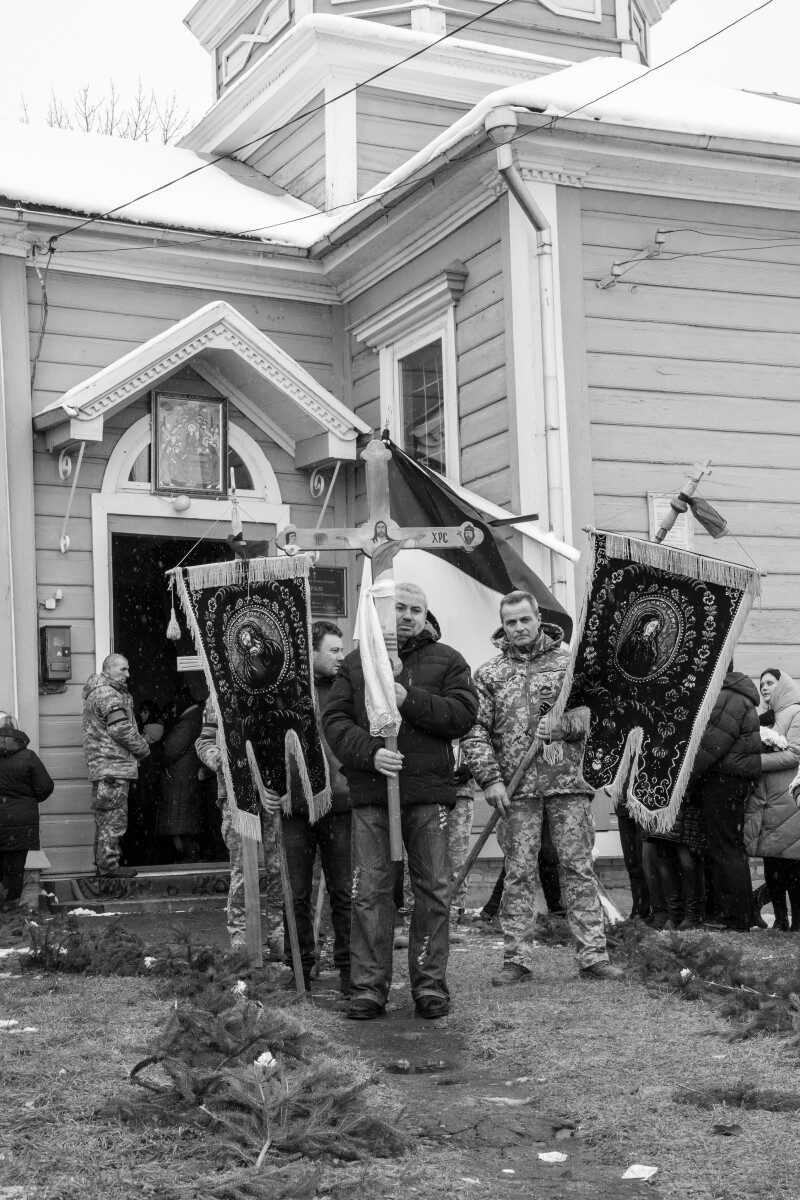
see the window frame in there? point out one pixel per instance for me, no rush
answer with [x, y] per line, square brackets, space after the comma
[442, 329]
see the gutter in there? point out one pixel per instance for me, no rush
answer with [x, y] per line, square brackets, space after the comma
[501, 127]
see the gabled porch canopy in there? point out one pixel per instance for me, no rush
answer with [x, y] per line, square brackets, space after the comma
[264, 382]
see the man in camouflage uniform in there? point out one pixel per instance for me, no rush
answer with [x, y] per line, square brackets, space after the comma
[113, 746]
[516, 690]
[208, 751]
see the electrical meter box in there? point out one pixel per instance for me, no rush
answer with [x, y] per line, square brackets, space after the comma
[56, 649]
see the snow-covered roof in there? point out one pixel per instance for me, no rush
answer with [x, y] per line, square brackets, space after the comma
[614, 91]
[91, 174]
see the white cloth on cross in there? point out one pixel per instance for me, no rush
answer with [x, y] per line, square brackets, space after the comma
[384, 718]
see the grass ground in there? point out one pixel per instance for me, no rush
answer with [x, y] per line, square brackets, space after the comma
[607, 1057]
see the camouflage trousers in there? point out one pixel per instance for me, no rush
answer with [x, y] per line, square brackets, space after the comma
[459, 828]
[110, 808]
[572, 830]
[272, 891]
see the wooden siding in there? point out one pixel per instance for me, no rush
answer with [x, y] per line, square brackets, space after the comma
[530, 27]
[294, 158]
[92, 322]
[697, 355]
[391, 127]
[480, 349]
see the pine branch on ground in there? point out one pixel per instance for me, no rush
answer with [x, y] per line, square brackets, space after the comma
[268, 1083]
[705, 967]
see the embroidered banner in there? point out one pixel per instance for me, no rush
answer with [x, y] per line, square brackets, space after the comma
[251, 624]
[658, 630]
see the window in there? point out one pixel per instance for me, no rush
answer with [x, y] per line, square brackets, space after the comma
[422, 411]
[416, 338]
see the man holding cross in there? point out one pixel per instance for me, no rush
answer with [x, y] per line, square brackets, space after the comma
[437, 702]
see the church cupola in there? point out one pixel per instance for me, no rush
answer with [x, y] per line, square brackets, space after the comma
[237, 33]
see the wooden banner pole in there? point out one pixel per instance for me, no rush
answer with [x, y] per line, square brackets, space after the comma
[288, 899]
[252, 902]
[489, 827]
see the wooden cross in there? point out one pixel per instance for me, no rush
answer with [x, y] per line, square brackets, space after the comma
[381, 539]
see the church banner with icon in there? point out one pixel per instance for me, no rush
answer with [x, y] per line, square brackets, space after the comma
[251, 624]
[658, 631]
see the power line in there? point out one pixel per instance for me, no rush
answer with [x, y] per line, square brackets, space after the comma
[545, 127]
[293, 120]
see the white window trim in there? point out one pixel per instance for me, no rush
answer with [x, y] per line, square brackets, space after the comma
[415, 320]
[440, 329]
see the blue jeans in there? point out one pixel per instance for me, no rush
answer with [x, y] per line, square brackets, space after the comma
[372, 937]
[331, 834]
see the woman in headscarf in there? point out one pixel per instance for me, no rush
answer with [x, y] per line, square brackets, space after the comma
[772, 821]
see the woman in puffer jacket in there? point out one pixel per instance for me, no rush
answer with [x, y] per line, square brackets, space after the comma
[772, 819]
[24, 784]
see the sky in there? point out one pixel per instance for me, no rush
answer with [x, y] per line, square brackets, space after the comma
[55, 46]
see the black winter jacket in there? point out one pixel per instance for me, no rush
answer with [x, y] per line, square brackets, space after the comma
[731, 744]
[441, 705]
[24, 784]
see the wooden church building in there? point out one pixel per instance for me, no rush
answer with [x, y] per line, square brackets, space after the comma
[557, 278]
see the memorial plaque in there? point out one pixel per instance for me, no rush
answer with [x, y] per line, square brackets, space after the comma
[329, 591]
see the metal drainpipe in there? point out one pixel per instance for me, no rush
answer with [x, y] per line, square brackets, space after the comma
[501, 126]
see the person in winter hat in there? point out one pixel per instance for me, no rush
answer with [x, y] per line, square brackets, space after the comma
[772, 820]
[24, 784]
[113, 748]
[437, 703]
[516, 691]
[727, 762]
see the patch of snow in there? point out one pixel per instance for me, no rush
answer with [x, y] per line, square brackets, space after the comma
[89, 912]
[90, 174]
[555, 1156]
[15, 950]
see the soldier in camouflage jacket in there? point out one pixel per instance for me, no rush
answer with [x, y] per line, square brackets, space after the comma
[516, 691]
[113, 747]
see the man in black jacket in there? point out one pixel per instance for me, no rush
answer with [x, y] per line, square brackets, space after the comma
[727, 762]
[437, 702]
[331, 833]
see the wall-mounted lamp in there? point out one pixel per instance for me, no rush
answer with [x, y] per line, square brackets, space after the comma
[52, 601]
[181, 503]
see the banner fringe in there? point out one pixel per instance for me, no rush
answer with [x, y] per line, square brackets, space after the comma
[318, 803]
[246, 824]
[681, 562]
[238, 572]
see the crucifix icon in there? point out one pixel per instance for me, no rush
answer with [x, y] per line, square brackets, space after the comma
[381, 539]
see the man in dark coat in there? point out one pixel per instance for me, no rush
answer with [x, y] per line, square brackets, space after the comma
[24, 784]
[330, 833]
[727, 762]
[437, 702]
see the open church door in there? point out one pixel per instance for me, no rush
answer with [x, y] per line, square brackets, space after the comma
[159, 830]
